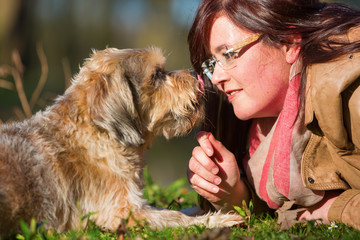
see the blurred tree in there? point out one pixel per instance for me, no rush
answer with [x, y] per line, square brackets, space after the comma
[11, 27]
[68, 30]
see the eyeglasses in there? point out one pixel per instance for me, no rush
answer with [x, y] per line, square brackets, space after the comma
[226, 59]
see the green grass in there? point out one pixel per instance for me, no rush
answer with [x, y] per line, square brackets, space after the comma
[177, 196]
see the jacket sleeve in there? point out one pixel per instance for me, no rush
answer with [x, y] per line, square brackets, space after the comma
[346, 209]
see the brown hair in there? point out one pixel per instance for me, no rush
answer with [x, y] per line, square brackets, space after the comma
[278, 20]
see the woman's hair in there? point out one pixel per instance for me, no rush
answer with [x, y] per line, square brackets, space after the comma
[278, 20]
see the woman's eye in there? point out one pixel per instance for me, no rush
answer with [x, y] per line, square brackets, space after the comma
[233, 54]
[229, 55]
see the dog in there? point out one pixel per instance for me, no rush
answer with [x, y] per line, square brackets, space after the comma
[84, 154]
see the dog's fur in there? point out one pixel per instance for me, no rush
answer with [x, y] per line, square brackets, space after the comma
[87, 149]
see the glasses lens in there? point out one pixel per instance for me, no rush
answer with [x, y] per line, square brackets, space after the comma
[226, 60]
[208, 67]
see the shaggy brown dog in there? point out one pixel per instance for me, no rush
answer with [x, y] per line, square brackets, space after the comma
[87, 149]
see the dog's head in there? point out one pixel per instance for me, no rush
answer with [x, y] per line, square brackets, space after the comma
[130, 95]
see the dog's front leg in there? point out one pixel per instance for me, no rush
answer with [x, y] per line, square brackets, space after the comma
[169, 218]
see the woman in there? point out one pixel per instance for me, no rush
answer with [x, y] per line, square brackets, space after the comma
[290, 70]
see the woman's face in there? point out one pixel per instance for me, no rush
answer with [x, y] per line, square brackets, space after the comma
[257, 85]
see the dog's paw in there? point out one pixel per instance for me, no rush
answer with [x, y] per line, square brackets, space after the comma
[224, 220]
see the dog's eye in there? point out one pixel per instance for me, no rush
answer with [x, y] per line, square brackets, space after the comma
[158, 77]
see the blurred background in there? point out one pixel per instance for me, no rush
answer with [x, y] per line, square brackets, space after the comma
[53, 37]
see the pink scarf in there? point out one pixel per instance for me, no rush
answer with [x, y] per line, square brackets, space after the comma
[274, 167]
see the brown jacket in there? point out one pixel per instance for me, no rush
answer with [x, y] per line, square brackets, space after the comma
[332, 112]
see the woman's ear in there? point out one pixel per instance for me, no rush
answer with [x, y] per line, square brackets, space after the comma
[292, 50]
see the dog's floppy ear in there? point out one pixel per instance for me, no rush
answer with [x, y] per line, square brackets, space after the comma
[111, 102]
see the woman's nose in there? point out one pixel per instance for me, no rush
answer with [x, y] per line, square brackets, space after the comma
[219, 75]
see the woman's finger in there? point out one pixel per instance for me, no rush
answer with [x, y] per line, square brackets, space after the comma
[219, 149]
[207, 195]
[203, 139]
[203, 159]
[199, 169]
[198, 182]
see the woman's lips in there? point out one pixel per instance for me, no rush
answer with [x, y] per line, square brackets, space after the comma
[233, 93]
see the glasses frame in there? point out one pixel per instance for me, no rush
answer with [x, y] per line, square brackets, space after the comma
[212, 61]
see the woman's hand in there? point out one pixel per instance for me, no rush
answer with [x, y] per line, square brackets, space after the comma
[214, 174]
[321, 209]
